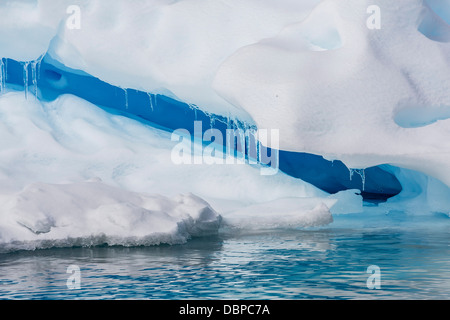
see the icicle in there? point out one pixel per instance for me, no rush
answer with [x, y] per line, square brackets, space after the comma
[351, 173]
[126, 98]
[195, 108]
[212, 120]
[258, 151]
[2, 77]
[39, 68]
[251, 138]
[244, 125]
[362, 174]
[246, 143]
[363, 179]
[34, 76]
[227, 133]
[150, 98]
[255, 145]
[6, 71]
[25, 78]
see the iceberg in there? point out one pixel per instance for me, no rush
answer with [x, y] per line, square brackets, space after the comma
[360, 117]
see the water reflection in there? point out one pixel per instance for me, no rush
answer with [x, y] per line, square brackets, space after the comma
[281, 264]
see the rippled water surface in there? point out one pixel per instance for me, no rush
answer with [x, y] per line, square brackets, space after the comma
[326, 263]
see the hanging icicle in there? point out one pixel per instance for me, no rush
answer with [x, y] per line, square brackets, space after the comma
[25, 78]
[35, 74]
[5, 73]
[351, 171]
[362, 174]
[155, 102]
[258, 152]
[2, 76]
[195, 108]
[126, 98]
[150, 99]
[212, 120]
[34, 77]
[253, 146]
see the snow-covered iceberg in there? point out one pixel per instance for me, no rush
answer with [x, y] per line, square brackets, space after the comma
[312, 69]
[372, 99]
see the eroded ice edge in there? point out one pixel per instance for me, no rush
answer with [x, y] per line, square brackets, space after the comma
[73, 174]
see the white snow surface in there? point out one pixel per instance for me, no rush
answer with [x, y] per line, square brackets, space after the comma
[151, 45]
[92, 213]
[365, 96]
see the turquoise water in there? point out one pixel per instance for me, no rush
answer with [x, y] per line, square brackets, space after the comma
[413, 254]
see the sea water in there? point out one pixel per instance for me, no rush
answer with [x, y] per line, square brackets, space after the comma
[332, 262]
